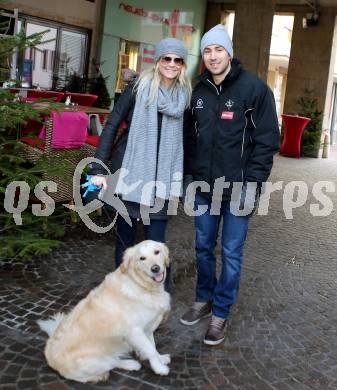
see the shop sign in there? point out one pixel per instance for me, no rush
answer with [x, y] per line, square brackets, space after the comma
[148, 54]
[173, 21]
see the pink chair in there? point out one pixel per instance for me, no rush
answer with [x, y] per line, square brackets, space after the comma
[69, 130]
[63, 141]
[82, 99]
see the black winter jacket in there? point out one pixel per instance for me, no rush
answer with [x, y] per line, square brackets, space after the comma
[231, 130]
[122, 111]
[107, 149]
[112, 153]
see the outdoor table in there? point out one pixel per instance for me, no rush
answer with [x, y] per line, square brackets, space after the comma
[63, 108]
[293, 129]
[86, 109]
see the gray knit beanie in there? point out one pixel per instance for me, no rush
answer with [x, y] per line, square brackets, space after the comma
[170, 45]
[218, 35]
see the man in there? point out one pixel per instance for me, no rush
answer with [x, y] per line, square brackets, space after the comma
[231, 132]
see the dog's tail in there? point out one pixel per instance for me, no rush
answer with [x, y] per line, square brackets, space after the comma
[49, 326]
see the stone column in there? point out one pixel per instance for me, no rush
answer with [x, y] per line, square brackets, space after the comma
[213, 15]
[252, 34]
[310, 60]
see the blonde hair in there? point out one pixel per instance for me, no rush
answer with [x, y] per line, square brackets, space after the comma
[153, 76]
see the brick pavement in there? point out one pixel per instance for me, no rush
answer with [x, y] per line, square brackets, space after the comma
[282, 334]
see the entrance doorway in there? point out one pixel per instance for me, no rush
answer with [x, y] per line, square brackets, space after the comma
[279, 58]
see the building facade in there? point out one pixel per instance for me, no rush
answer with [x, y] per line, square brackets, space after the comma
[132, 28]
[71, 32]
[121, 35]
[312, 56]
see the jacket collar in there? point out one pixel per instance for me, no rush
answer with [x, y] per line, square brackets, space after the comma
[236, 68]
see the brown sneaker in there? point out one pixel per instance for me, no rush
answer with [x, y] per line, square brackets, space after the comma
[198, 311]
[216, 331]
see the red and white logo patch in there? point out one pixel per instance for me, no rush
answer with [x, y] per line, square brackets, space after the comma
[227, 115]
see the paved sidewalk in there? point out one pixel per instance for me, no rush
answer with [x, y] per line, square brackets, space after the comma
[282, 334]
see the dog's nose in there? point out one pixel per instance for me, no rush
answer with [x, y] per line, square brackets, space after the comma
[155, 269]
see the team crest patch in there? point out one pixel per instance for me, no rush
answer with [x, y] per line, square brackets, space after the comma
[229, 104]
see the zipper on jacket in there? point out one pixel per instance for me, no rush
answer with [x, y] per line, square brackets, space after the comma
[242, 146]
[196, 129]
[213, 136]
[214, 87]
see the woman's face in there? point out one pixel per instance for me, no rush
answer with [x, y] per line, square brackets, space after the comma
[170, 66]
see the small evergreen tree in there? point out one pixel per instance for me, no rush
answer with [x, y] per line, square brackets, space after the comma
[76, 84]
[311, 139]
[98, 87]
[36, 234]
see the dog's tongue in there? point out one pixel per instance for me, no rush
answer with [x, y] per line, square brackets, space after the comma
[159, 278]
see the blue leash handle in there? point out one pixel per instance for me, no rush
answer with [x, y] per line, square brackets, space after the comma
[90, 187]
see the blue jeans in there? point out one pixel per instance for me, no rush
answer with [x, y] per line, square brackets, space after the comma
[126, 237]
[223, 292]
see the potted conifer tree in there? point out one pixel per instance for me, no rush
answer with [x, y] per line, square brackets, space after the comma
[311, 139]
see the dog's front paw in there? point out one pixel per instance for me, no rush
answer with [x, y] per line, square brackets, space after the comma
[129, 364]
[133, 365]
[159, 368]
[165, 358]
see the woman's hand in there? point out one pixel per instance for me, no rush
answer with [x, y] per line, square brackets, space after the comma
[99, 181]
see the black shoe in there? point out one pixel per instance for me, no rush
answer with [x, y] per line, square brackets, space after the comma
[198, 311]
[216, 331]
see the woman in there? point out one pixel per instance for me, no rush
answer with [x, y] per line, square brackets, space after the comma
[153, 108]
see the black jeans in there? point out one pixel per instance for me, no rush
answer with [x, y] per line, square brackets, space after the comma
[126, 237]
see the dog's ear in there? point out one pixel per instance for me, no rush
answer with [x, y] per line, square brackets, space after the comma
[166, 255]
[127, 257]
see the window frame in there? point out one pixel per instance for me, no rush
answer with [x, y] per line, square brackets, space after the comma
[24, 19]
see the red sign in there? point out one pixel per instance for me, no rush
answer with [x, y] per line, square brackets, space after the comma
[227, 115]
[148, 60]
[173, 21]
[149, 51]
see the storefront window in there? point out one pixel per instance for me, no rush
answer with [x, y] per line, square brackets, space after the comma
[132, 29]
[134, 56]
[72, 56]
[36, 59]
[51, 64]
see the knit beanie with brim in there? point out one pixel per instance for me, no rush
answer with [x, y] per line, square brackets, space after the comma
[170, 45]
[218, 35]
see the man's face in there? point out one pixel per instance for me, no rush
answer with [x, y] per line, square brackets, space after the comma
[216, 59]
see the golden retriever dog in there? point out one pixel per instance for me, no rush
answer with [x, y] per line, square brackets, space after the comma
[115, 319]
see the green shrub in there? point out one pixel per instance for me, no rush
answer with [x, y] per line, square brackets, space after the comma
[311, 139]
